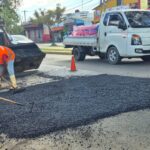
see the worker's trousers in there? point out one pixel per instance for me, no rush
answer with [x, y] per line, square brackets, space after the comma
[10, 68]
[1, 69]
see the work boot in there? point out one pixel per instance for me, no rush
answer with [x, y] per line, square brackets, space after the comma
[13, 82]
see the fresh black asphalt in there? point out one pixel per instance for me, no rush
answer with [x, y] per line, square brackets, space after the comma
[71, 102]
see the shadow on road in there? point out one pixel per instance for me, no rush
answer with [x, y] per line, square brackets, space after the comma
[70, 103]
[123, 62]
[97, 61]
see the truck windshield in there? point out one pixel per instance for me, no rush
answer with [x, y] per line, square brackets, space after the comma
[138, 19]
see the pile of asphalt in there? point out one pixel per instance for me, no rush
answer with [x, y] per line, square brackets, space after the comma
[72, 102]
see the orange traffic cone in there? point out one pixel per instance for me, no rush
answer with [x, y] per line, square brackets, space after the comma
[73, 65]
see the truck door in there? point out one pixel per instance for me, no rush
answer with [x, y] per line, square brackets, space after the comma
[115, 35]
[103, 33]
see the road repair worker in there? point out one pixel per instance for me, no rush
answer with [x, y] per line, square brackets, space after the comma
[7, 57]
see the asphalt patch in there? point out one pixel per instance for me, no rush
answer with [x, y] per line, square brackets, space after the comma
[70, 103]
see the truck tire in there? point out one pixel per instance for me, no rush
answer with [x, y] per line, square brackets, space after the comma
[146, 58]
[79, 53]
[113, 56]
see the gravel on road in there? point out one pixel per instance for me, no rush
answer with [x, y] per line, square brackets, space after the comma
[72, 102]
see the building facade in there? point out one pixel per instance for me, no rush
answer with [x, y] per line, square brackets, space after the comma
[105, 4]
[37, 33]
[76, 19]
[57, 33]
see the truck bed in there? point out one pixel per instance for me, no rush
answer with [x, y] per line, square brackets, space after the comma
[80, 41]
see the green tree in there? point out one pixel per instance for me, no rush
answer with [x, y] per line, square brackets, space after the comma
[11, 4]
[49, 17]
[58, 13]
[8, 13]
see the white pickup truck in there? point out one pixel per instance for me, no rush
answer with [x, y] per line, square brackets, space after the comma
[122, 33]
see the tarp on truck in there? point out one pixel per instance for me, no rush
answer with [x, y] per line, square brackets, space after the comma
[81, 31]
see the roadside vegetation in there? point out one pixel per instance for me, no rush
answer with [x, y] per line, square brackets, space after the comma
[8, 11]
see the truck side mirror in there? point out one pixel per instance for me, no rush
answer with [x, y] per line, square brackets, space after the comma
[122, 25]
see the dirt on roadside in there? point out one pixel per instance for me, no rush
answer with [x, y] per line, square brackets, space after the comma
[129, 131]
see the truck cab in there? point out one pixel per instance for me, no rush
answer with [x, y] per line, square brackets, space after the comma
[125, 33]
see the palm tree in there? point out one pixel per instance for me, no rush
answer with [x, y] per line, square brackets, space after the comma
[49, 18]
[58, 13]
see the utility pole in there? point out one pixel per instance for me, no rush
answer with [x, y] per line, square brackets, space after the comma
[25, 17]
[121, 2]
[104, 4]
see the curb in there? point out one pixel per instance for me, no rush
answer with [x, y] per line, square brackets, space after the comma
[57, 51]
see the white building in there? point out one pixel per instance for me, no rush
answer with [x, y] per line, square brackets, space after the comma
[79, 15]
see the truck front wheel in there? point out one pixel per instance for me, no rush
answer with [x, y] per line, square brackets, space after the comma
[113, 56]
[79, 53]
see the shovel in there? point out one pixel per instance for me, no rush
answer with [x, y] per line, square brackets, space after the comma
[11, 101]
[16, 103]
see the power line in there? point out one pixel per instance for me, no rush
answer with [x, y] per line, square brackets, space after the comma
[25, 15]
[79, 5]
[92, 6]
[71, 3]
[89, 3]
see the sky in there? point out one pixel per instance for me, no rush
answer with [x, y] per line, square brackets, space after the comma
[31, 5]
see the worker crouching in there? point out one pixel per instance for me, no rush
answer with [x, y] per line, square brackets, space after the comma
[7, 58]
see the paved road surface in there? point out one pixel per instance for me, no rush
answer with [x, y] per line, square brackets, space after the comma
[77, 93]
[129, 131]
[72, 102]
[129, 67]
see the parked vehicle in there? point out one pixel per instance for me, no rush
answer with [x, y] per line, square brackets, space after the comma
[16, 39]
[28, 54]
[123, 33]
